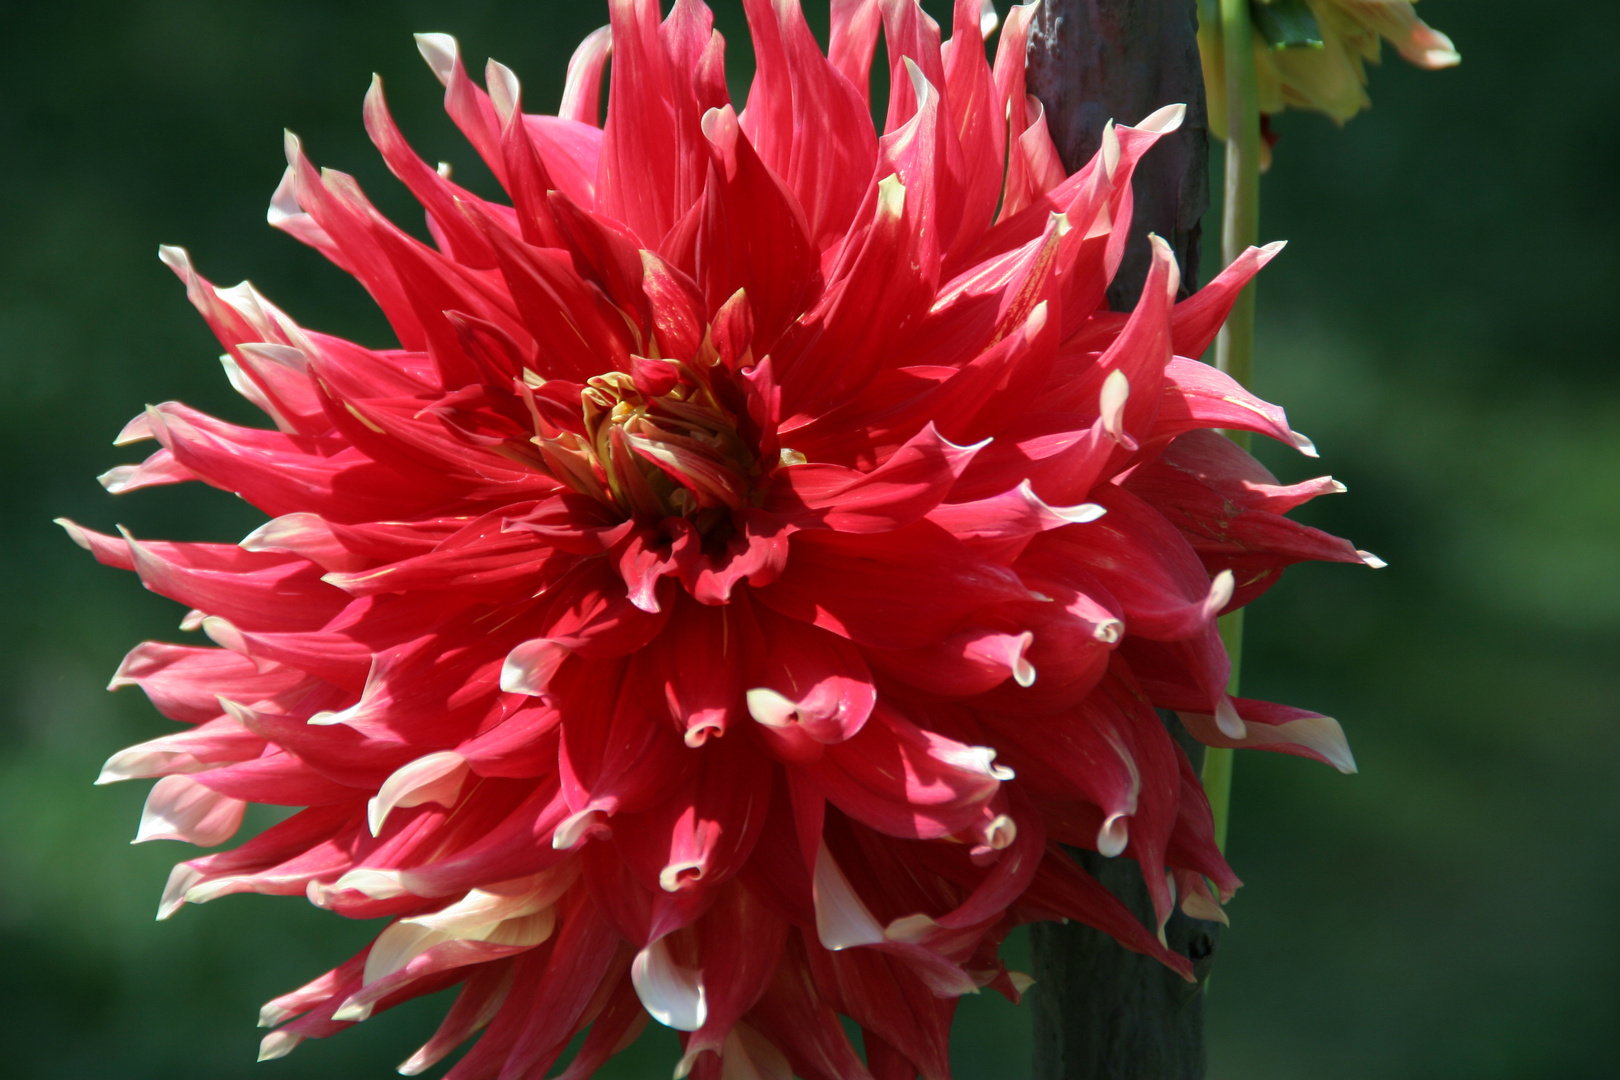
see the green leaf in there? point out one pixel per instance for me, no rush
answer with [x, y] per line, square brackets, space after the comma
[1286, 24]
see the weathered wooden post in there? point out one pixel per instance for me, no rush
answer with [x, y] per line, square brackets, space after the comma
[1101, 1012]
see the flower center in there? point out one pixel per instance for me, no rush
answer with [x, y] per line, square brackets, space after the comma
[659, 447]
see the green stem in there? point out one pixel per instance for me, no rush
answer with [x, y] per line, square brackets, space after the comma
[1234, 348]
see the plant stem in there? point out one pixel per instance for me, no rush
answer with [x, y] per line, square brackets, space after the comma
[1234, 348]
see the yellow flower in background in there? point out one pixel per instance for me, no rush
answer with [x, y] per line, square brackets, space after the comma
[1312, 54]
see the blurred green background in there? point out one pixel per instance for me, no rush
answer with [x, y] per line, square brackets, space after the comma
[1440, 324]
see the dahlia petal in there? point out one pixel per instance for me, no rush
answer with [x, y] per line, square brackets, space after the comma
[853, 37]
[286, 214]
[618, 1025]
[575, 325]
[521, 746]
[436, 778]
[583, 955]
[1197, 319]
[1009, 101]
[799, 1022]
[1198, 396]
[259, 590]
[700, 671]
[615, 753]
[276, 378]
[911, 34]
[1207, 496]
[906, 781]
[1189, 675]
[277, 779]
[969, 90]
[702, 834]
[203, 747]
[873, 303]
[304, 534]
[444, 956]
[973, 403]
[180, 808]
[529, 667]
[467, 105]
[891, 1003]
[281, 861]
[1014, 869]
[608, 254]
[527, 179]
[1141, 561]
[433, 191]
[1088, 754]
[672, 995]
[348, 229]
[591, 614]
[650, 171]
[278, 1044]
[678, 307]
[842, 920]
[484, 558]
[480, 999]
[336, 658]
[1193, 853]
[517, 844]
[809, 119]
[911, 483]
[881, 590]
[739, 942]
[283, 474]
[236, 316]
[345, 756]
[160, 468]
[582, 89]
[1013, 515]
[753, 235]
[1281, 728]
[966, 664]
[1140, 353]
[1221, 465]
[748, 1055]
[487, 914]
[1062, 888]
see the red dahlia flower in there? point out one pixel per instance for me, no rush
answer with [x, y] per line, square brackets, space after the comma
[660, 629]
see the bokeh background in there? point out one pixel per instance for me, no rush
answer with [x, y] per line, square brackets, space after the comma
[1441, 324]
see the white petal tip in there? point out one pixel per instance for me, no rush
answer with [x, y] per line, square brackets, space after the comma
[1164, 120]
[1114, 836]
[988, 19]
[673, 995]
[352, 1014]
[1082, 514]
[278, 1044]
[74, 531]
[770, 708]
[440, 51]
[1227, 719]
[271, 1015]
[1220, 592]
[1116, 390]
[1372, 560]
[1020, 981]
[1303, 445]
